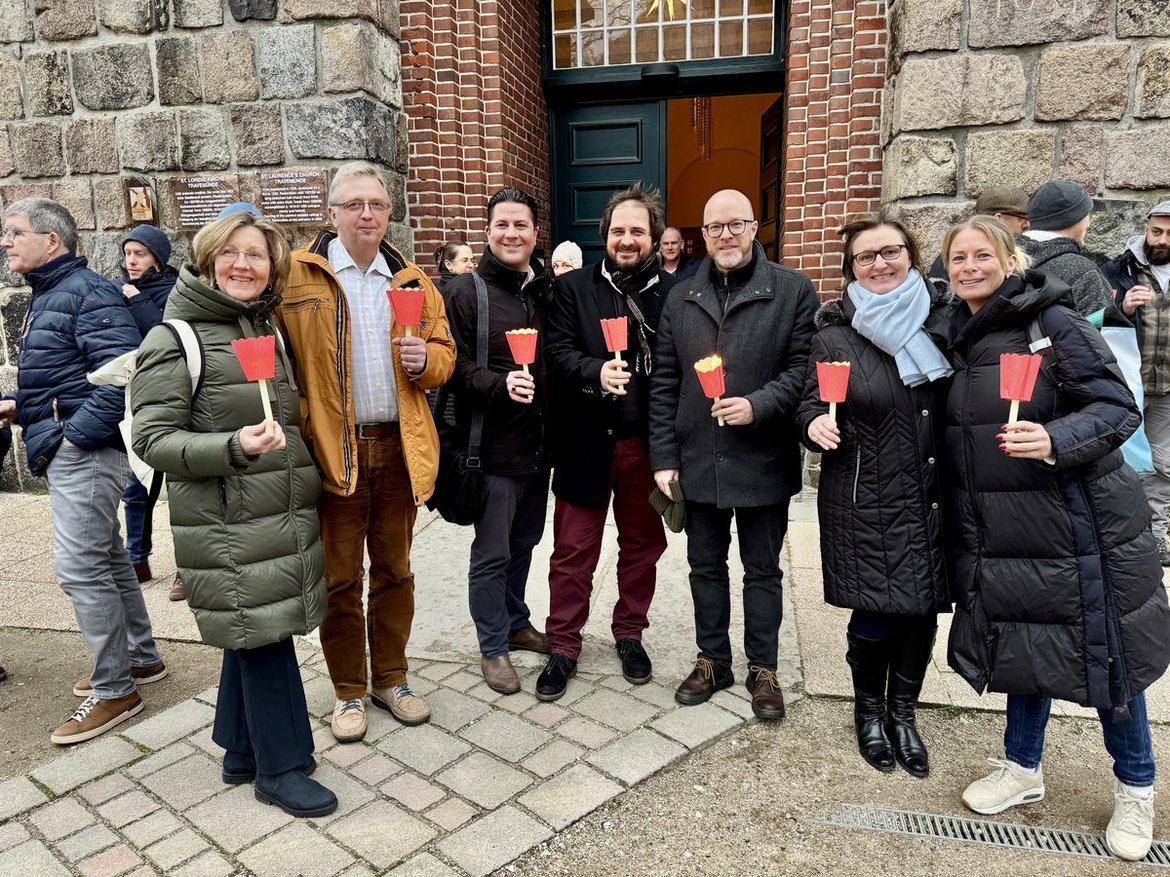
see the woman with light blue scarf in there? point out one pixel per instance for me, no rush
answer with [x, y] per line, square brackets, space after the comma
[880, 495]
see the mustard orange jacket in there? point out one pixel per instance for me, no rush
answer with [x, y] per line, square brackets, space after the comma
[315, 320]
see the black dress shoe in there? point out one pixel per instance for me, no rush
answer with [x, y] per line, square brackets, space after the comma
[707, 678]
[295, 794]
[635, 662]
[555, 677]
[239, 768]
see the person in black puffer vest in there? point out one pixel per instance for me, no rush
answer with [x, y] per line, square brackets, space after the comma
[1058, 588]
[880, 491]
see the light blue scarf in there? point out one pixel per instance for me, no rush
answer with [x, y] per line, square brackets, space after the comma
[893, 322]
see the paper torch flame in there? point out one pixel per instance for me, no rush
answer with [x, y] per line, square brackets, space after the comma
[833, 380]
[710, 372]
[407, 305]
[523, 344]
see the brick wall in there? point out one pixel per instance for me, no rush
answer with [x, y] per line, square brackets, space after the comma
[833, 159]
[459, 59]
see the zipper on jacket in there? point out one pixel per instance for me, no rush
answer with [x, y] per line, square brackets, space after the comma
[857, 474]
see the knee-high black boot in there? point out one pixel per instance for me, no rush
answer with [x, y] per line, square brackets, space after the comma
[910, 653]
[868, 659]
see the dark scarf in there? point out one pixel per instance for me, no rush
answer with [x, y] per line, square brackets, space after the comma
[630, 285]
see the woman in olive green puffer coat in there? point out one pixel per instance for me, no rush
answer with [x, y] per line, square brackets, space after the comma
[241, 493]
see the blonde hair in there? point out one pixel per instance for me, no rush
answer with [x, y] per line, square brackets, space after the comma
[352, 169]
[213, 237]
[1003, 242]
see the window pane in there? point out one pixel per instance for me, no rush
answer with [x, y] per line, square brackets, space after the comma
[730, 39]
[759, 36]
[728, 8]
[564, 14]
[646, 45]
[674, 42]
[619, 47]
[617, 13]
[759, 7]
[702, 42]
[702, 9]
[564, 52]
[592, 48]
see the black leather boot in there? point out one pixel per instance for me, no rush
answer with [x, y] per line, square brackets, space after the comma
[909, 655]
[868, 659]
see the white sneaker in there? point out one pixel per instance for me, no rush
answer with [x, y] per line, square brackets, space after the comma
[349, 720]
[1006, 786]
[1131, 830]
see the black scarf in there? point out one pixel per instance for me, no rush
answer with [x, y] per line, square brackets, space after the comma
[630, 285]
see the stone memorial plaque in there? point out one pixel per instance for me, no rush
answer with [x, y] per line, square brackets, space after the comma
[297, 196]
[198, 200]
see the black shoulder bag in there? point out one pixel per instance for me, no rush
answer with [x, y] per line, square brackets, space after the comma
[458, 492]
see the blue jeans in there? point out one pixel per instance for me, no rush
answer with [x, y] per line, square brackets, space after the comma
[136, 502]
[93, 567]
[1128, 742]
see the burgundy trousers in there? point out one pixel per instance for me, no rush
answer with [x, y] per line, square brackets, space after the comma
[577, 535]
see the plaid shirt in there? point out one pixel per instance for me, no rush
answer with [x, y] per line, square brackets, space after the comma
[1155, 335]
[375, 396]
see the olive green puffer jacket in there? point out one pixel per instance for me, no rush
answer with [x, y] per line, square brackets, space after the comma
[247, 538]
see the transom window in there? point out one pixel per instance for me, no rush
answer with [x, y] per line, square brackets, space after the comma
[609, 33]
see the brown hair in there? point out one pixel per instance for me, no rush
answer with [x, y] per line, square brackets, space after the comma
[1003, 242]
[856, 225]
[213, 237]
[648, 197]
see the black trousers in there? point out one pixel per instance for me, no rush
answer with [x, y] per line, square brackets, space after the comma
[761, 535]
[261, 709]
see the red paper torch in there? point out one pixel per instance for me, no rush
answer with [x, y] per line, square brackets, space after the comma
[833, 380]
[616, 332]
[710, 372]
[407, 305]
[523, 344]
[257, 356]
[1017, 379]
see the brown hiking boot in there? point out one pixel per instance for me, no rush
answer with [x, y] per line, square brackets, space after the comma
[707, 678]
[140, 675]
[767, 698]
[94, 717]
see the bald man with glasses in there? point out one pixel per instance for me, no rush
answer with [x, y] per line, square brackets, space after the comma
[738, 456]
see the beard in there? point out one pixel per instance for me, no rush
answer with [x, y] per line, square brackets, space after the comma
[1158, 254]
[627, 259]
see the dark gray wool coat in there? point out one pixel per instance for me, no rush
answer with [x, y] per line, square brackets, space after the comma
[247, 539]
[764, 338]
[880, 499]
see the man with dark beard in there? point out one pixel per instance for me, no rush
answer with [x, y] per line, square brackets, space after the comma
[1141, 279]
[600, 426]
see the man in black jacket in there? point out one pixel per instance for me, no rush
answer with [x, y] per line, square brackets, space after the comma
[600, 427]
[1141, 278]
[513, 402]
[758, 317]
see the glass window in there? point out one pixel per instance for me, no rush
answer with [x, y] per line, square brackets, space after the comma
[595, 33]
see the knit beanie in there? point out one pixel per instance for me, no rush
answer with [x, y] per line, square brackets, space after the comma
[567, 251]
[153, 239]
[1058, 204]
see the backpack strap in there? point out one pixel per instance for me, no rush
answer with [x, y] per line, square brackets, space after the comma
[1040, 342]
[481, 359]
[192, 351]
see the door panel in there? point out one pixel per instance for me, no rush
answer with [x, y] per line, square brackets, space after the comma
[598, 150]
[771, 175]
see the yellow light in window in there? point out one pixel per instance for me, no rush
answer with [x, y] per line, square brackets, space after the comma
[669, 8]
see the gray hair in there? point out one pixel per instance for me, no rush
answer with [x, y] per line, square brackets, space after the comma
[46, 215]
[352, 169]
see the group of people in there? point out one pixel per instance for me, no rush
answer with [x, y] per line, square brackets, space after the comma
[1034, 531]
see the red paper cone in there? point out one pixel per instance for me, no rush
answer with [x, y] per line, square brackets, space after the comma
[616, 332]
[833, 379]
[1017, 375]
[407, 305]
[257, 356]
[523, 344]
[710, 372]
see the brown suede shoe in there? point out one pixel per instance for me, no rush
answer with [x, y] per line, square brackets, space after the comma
[402, 703]
[142, 571]
[767, 698]
[178, 590]
[529, 639]
[707, 678]
[140, 675]
[95, 717]
[499, 674]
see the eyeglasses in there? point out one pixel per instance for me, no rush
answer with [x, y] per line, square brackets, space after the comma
[889, 254]
[254, 257]
[736, 226]
[358, 207]
[11, 234]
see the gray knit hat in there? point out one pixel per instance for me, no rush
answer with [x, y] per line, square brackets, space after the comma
[1058, 204]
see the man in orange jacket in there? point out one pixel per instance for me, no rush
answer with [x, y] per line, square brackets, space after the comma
[367, 422]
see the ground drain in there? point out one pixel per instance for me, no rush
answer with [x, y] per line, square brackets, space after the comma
[980, 831]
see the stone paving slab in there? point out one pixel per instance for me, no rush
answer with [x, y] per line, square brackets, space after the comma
[81, 764]
[18, 795]
[494, 840]
[297, 849]
[566, 798]
[164, 728]
[31, 858]
[382, 833]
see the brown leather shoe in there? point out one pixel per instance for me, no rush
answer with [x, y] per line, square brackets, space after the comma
[767, 698]
[178, 590]
[707, 678]
[529, 639]
[95, 717]
[499, 674]
[142, 571]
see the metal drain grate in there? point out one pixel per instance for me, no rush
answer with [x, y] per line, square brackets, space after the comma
[980, 831]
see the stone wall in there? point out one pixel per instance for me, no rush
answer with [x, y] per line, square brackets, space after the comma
[990, 92]
[96, 91]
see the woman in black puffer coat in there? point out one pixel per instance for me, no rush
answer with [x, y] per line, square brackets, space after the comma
[1059, 589]
[879, 496]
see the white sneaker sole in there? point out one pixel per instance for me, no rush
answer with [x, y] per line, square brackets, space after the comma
[65, 740]
[1028, 796]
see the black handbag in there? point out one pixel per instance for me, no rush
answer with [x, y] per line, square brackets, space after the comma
[458, 495]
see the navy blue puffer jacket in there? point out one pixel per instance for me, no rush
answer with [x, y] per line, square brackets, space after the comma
[77, 322]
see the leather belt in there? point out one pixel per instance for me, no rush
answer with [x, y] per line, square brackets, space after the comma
[372, 431]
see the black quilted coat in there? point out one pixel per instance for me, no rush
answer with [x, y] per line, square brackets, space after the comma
[880, 491]
[1059, 590]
